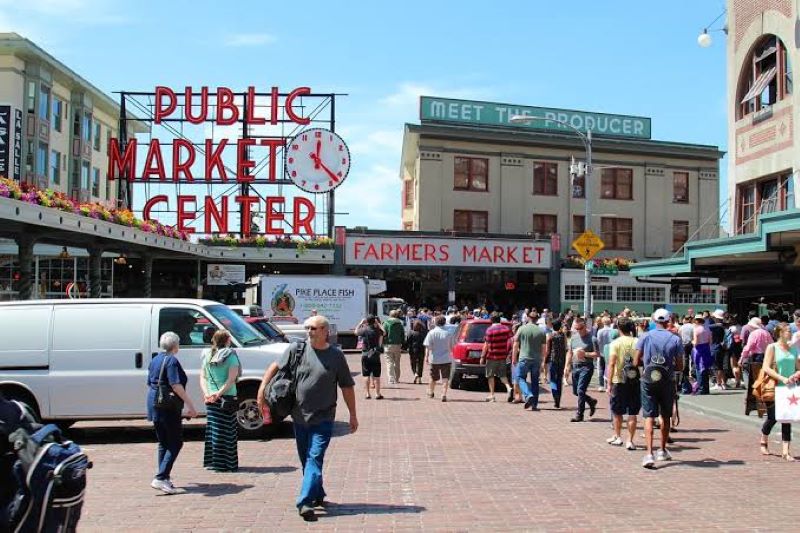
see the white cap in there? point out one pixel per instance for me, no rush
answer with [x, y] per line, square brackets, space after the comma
[719, 314]
[661, 315]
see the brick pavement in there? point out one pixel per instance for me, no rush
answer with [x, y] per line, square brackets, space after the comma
[464, 465]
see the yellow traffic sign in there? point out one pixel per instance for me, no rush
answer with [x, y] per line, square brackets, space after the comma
[588, 244]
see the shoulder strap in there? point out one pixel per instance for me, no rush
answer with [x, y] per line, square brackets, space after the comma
[161, 372]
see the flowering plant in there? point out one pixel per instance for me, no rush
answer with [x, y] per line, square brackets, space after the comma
[48, 198]
[608, 263]
[262, 241]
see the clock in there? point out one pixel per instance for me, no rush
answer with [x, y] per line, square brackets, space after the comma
[317, 160]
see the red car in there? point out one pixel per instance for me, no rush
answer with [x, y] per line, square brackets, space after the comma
[467, 350]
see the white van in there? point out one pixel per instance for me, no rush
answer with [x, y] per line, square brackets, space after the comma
[88, 359]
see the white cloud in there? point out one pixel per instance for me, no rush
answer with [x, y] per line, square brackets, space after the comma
[370, 197]
[249, 39]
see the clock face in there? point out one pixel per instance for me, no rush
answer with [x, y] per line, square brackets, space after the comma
[317, 160]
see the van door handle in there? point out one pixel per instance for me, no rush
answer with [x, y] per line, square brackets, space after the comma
[139, 358]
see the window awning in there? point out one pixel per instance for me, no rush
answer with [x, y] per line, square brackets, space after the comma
[760, 84]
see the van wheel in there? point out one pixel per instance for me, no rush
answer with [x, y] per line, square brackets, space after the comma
[23, 396]
[249, 421]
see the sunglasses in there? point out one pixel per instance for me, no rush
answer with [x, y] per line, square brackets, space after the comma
[312, 328]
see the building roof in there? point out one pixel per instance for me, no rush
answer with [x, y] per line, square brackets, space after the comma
[17, 45]
[526, 137]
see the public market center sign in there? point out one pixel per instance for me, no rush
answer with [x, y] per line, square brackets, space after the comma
[476, 113]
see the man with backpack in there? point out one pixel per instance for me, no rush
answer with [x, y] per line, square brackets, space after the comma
[661, 354]
[317, 368]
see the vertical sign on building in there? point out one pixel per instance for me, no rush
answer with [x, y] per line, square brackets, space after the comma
[5, 139]
[16, 154]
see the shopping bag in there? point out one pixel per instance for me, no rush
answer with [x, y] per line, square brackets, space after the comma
[787, 404]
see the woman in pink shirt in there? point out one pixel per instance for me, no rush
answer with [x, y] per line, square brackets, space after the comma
[701, 355]
[752, 357]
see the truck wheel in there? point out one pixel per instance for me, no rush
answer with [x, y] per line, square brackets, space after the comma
[21, 395]
[455, 381]
[249, 421]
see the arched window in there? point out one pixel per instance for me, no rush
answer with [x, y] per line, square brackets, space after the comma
[766, 77]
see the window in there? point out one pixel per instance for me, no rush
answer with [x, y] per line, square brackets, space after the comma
[616, 184]
[762, 197]
[471, 221]
[579, 186]
[766, 77]
[599, 292]
[578, 226]
[85, 176]
[95, 182]
[58, 113]
[31, 104]
[471, 174]
[680, 187]
[617, 233]
[408, 194]
[41, 159]
[76, 125]
[97, 135]
[545, 179]
[29, 157]
[641, 294]
[44, 103]
[55, 167]
[680, 234]
[184, 322]
[545, 225]
[86, 128]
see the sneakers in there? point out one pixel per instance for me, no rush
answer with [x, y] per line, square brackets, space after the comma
[164, 485]
[576, 418]
[307, 513]
[430, 395]
[490, 399]
[529, 402]
[630, 446]
[714, 387]
[614, 441]
[648, 462]
[663, 455]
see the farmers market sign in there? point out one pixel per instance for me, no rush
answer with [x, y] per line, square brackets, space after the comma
[476, 113]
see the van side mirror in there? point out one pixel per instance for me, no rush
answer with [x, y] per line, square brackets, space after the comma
[208, 334]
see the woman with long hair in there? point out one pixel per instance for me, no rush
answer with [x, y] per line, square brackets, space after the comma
[781, 363]
[221, 368]
[416, 349]
[556, 357]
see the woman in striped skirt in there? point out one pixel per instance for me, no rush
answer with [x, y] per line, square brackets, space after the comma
[221, 368]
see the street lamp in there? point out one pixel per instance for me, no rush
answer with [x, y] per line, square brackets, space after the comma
[587, 170]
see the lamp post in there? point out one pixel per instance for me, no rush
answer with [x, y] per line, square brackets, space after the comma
[587, 211]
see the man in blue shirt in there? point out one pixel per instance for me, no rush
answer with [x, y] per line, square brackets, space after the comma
[661, 353]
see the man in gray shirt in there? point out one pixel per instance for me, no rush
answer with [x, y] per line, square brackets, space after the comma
[604, 338]
[320, 369]
[438, 347]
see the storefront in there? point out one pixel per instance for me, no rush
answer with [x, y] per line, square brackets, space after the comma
[439, 269]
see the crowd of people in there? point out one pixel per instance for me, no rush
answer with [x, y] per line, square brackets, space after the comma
[641, 363]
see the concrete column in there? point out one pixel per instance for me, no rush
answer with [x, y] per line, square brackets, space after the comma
[554, 282]
[147, 290]
[25, 257]
[95, 254]
[451, 286]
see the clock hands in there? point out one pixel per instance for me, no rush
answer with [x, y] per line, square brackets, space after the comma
[319, 164]
[315, 157]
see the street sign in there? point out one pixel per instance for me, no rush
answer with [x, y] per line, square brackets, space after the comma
[588, 244]
[605, 271]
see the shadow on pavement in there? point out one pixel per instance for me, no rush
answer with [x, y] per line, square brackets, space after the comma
[401, 399]
[266, 469]
[145, 433]
[704, 463]
[351, 509]
[707, 430]
[215, 489]
[691, 439]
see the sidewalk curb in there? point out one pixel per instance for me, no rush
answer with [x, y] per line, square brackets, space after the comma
[704, 410]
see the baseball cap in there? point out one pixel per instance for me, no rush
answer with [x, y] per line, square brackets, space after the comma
[661, 315]
[718, 314]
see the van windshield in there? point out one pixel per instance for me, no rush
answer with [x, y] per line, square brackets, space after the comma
[241, 330]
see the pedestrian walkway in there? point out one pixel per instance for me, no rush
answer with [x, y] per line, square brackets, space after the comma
[464, 465]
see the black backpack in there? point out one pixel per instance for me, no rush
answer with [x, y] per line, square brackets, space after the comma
[50, 476]
[630, 372]
[657, 370]
[280, 393]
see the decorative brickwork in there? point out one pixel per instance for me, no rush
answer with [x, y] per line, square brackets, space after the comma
[746, 11]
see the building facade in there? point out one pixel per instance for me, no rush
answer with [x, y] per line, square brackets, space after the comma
[462, 172]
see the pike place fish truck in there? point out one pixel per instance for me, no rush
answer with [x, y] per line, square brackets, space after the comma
[343, 300]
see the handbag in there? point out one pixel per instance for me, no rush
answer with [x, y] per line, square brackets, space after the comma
[166, 399]
[228, 403]
[764, 387]
[787, 404]
[280, 393]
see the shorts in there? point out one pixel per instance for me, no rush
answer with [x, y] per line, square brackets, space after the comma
[496, 368]
[658, 399]
[371, 366]
[441, 371]
[626, 398]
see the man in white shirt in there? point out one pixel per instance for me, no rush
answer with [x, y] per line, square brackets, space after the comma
[438, 347]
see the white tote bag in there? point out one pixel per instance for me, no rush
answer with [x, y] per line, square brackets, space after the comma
[787, 404]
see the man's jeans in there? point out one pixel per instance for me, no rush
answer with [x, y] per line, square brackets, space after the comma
[312, 441]
[601, 371]
[581, 378]
[525, 367]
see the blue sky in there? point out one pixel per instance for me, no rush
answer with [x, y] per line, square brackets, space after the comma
[625, 57]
